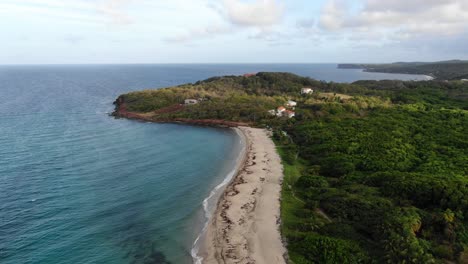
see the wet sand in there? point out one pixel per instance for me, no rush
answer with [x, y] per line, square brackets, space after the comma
[245, 224]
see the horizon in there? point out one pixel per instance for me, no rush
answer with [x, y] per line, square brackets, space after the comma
[219, 63]
[231, 31]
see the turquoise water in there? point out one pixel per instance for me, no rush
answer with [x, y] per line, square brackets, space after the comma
[77, 186]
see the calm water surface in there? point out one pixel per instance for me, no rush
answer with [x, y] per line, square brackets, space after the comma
[77, 186]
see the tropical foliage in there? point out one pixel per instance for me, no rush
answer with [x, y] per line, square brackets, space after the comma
[375, 171]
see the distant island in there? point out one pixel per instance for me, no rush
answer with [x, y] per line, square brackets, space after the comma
[374, 171]
[442, 70]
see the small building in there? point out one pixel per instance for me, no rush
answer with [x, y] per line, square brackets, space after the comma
[291, 103]
[272, 112]
[249, 75]
[190, 101]
[280, 110]
[289, 113]
[306, 90]
[464, 80]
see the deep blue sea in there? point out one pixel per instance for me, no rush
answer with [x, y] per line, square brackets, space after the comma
[78, 186]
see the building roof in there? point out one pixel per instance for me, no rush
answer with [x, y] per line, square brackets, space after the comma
[281, 108]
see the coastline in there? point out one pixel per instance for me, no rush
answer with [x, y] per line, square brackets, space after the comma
[245, 225]
[208, 208]
[426, 76]
[121, 111]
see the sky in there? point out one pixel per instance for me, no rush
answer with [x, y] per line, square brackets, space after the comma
[231, 31]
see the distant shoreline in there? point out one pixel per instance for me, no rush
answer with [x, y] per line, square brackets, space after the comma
[365, 68]
[428, 77]
[442, 70]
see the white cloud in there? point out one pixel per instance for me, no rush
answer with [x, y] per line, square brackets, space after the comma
[200, 33]
[405, 6]
[260, 13]
[70, 11]
[114, 10]
[99, 12]
[306, 23]
[332, 15]
[402, 17]
[232, 16]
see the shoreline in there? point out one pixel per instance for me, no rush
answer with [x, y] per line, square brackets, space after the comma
[217, 192]
[245, 227]
[428, 77]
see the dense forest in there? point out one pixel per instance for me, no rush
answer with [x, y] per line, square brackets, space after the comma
[443, 70]
[375, 171]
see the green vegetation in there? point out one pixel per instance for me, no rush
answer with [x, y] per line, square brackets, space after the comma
[395, 181]
[443, 70]
[375, 171]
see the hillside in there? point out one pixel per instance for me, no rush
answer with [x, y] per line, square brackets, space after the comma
[444, 70]
[248, 99]
[375, 171]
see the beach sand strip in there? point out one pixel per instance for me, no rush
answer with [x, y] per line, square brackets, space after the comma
[245, 224]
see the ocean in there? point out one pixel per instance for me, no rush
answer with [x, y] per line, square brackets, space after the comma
[78, 186]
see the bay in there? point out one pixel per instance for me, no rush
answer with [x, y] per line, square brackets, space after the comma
[77, 186]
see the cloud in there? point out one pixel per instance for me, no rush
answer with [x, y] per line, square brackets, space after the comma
[405, 6]
[75, 11]
[114, 10]
[332, 15]
[272, 37]
[73, 39]
[305, 23]
[235, 16]
[401, 17]
[200, 33]
[260, 13]
[420, 28]
[97, 12]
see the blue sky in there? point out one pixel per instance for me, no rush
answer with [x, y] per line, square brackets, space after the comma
[232, 31]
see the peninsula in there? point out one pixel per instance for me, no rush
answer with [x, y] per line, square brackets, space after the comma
[370, 172]
[441, 70]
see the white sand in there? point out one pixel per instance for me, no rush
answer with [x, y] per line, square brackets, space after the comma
[245, 225]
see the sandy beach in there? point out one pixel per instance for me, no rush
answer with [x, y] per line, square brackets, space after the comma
[245, 224]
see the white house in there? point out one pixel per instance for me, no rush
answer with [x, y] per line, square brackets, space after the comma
[464, 80]
[306, 90]
[190, 101]
[280, 110]
[272, 112]
[289, 113]
[291, 103]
